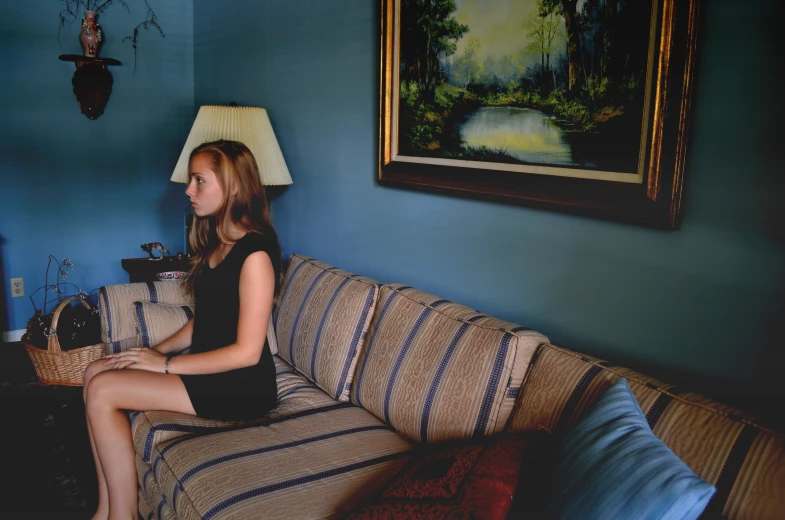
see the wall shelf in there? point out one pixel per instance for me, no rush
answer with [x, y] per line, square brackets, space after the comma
[81, 60]
[92, 82]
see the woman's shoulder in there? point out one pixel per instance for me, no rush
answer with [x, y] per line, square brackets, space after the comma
[254, 241]
[254, 238]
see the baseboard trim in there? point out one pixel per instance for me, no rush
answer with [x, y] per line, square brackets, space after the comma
[12, 336]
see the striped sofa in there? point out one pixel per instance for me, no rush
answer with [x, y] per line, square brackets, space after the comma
[366, 372]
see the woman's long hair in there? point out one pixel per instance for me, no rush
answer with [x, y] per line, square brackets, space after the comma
[233, 163]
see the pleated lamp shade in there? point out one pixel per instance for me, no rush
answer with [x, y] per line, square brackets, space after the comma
[248, 125]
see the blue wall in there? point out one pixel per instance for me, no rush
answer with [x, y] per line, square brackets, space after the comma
[92, 191]
[702, 302]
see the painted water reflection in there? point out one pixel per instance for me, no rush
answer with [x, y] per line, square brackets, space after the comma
[525, 133]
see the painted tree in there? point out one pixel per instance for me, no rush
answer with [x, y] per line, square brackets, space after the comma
[604, 25]
[544, 29]
[609, 39]
[429, 33]
[568, 9]
[467, 68]
[590, 31]
[536, 26]
[596, 21]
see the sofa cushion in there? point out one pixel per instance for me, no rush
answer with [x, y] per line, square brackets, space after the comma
[436, 370]
[116, 306]
[474, 478]
[744, 460]
[612, 466]
[156, 322]
[321, 320]
[318, 465]
[296, 396]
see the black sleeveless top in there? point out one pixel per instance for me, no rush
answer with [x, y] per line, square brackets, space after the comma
[245, 393]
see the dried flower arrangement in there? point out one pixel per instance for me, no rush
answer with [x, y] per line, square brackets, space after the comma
[77, 327]
[72, 8]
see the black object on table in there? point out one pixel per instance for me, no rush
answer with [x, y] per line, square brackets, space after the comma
[147, 269]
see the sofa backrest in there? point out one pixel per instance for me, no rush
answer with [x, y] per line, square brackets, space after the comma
[116, 309]
[436, 370]
[743, 460]
[320, 322]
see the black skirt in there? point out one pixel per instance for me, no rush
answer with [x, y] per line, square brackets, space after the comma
[238, 395]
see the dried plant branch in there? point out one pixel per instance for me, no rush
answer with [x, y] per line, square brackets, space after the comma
[149, 20]
[71, 8]
[107, 4]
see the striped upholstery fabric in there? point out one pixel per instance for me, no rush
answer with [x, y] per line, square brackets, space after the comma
[321, 320]
[272, 339]
[436, 370]
[156, 322]
[116, 307]
[742, 459]
[121, 346]
[313, 465]
[295, 395]
[152, 501]
[145, 511]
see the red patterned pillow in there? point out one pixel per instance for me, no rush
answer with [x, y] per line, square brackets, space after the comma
[475, 479]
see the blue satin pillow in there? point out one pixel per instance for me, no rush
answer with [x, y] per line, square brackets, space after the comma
[611, 465]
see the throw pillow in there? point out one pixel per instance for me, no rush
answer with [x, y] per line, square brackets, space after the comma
[611, 465]
[156, 322]
[467, 479]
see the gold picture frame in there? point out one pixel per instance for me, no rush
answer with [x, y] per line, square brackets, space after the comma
[651, 195]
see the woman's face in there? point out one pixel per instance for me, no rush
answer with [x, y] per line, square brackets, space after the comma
[203, 188]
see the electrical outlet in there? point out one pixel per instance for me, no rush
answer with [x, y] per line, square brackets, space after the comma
[17, 287]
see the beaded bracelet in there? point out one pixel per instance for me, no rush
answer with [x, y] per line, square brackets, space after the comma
[166, 364]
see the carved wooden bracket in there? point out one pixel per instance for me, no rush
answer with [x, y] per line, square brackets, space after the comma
[92, 83]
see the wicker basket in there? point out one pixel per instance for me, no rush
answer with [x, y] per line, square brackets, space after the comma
[55, 366]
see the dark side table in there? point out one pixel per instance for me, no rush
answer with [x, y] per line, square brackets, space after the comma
[146, 269]
[49, 472]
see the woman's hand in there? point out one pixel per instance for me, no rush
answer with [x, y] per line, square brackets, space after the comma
[138, 359]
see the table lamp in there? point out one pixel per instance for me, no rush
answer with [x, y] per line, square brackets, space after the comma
[248, 125]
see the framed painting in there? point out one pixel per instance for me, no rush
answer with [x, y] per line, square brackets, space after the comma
[573, 105]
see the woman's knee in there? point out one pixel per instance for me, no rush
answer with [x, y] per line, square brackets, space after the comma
[98, 394]
[92, 370]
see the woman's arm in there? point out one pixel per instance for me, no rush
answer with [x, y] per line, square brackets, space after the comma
[257, 285]
[180, 340]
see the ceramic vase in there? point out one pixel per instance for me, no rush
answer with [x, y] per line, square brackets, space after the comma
[90, 37]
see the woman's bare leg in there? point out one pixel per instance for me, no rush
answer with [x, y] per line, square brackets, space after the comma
[109, 394]
[102, 512]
